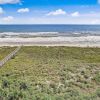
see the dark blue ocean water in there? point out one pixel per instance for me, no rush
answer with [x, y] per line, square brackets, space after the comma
[61, 29]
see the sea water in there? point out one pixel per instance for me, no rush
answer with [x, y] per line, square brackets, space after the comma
[58, 30]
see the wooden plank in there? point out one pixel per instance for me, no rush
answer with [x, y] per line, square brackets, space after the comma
[8, 57]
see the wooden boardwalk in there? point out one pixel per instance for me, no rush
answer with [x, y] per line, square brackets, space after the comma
[8, 57]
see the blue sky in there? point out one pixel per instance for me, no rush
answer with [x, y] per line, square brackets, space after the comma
[49, 11]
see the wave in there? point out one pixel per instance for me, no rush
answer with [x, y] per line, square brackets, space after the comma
[28, 33]
[48, 34]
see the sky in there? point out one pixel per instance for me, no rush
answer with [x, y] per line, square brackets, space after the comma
[49, 11]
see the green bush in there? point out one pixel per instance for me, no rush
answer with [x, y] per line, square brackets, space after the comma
[23, 86]
[5, 84]
[97, 78]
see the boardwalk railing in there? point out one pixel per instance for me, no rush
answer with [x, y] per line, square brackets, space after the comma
[12, 54]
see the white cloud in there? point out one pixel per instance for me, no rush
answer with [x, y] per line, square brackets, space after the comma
[23, 10]
[9, 1]
[75, 14]
[1, 11]
[99, 1]
[95, 21]
[57, 12]
[8, 19]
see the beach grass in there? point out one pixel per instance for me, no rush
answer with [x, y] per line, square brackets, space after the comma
[51, 73]
[4, 51]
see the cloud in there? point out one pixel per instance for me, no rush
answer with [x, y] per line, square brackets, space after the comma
[1, 11]
[23, 10]
[98, 1]
[57, 12]
[75, 14]
[8, 19]
[95, 21]
[9, 1]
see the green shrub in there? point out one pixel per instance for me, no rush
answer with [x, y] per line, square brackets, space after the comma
[23, 86]
[97, 78]
[98, 92]
[5, 84]
[15, 95]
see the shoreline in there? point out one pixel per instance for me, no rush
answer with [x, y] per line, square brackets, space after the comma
[89, 41]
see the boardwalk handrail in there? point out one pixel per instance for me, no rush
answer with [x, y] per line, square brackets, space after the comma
[9, 56]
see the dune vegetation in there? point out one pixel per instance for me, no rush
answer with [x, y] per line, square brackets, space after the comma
[51, 73]
[4, 51]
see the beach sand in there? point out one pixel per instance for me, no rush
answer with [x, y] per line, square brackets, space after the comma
[83, 41]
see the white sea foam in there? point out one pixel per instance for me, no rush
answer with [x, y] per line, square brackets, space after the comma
[28, 33]
[76, 33]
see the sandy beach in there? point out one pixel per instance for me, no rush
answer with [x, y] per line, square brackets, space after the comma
[83, 41]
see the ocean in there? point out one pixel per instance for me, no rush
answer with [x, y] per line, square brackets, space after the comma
[59, 30]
